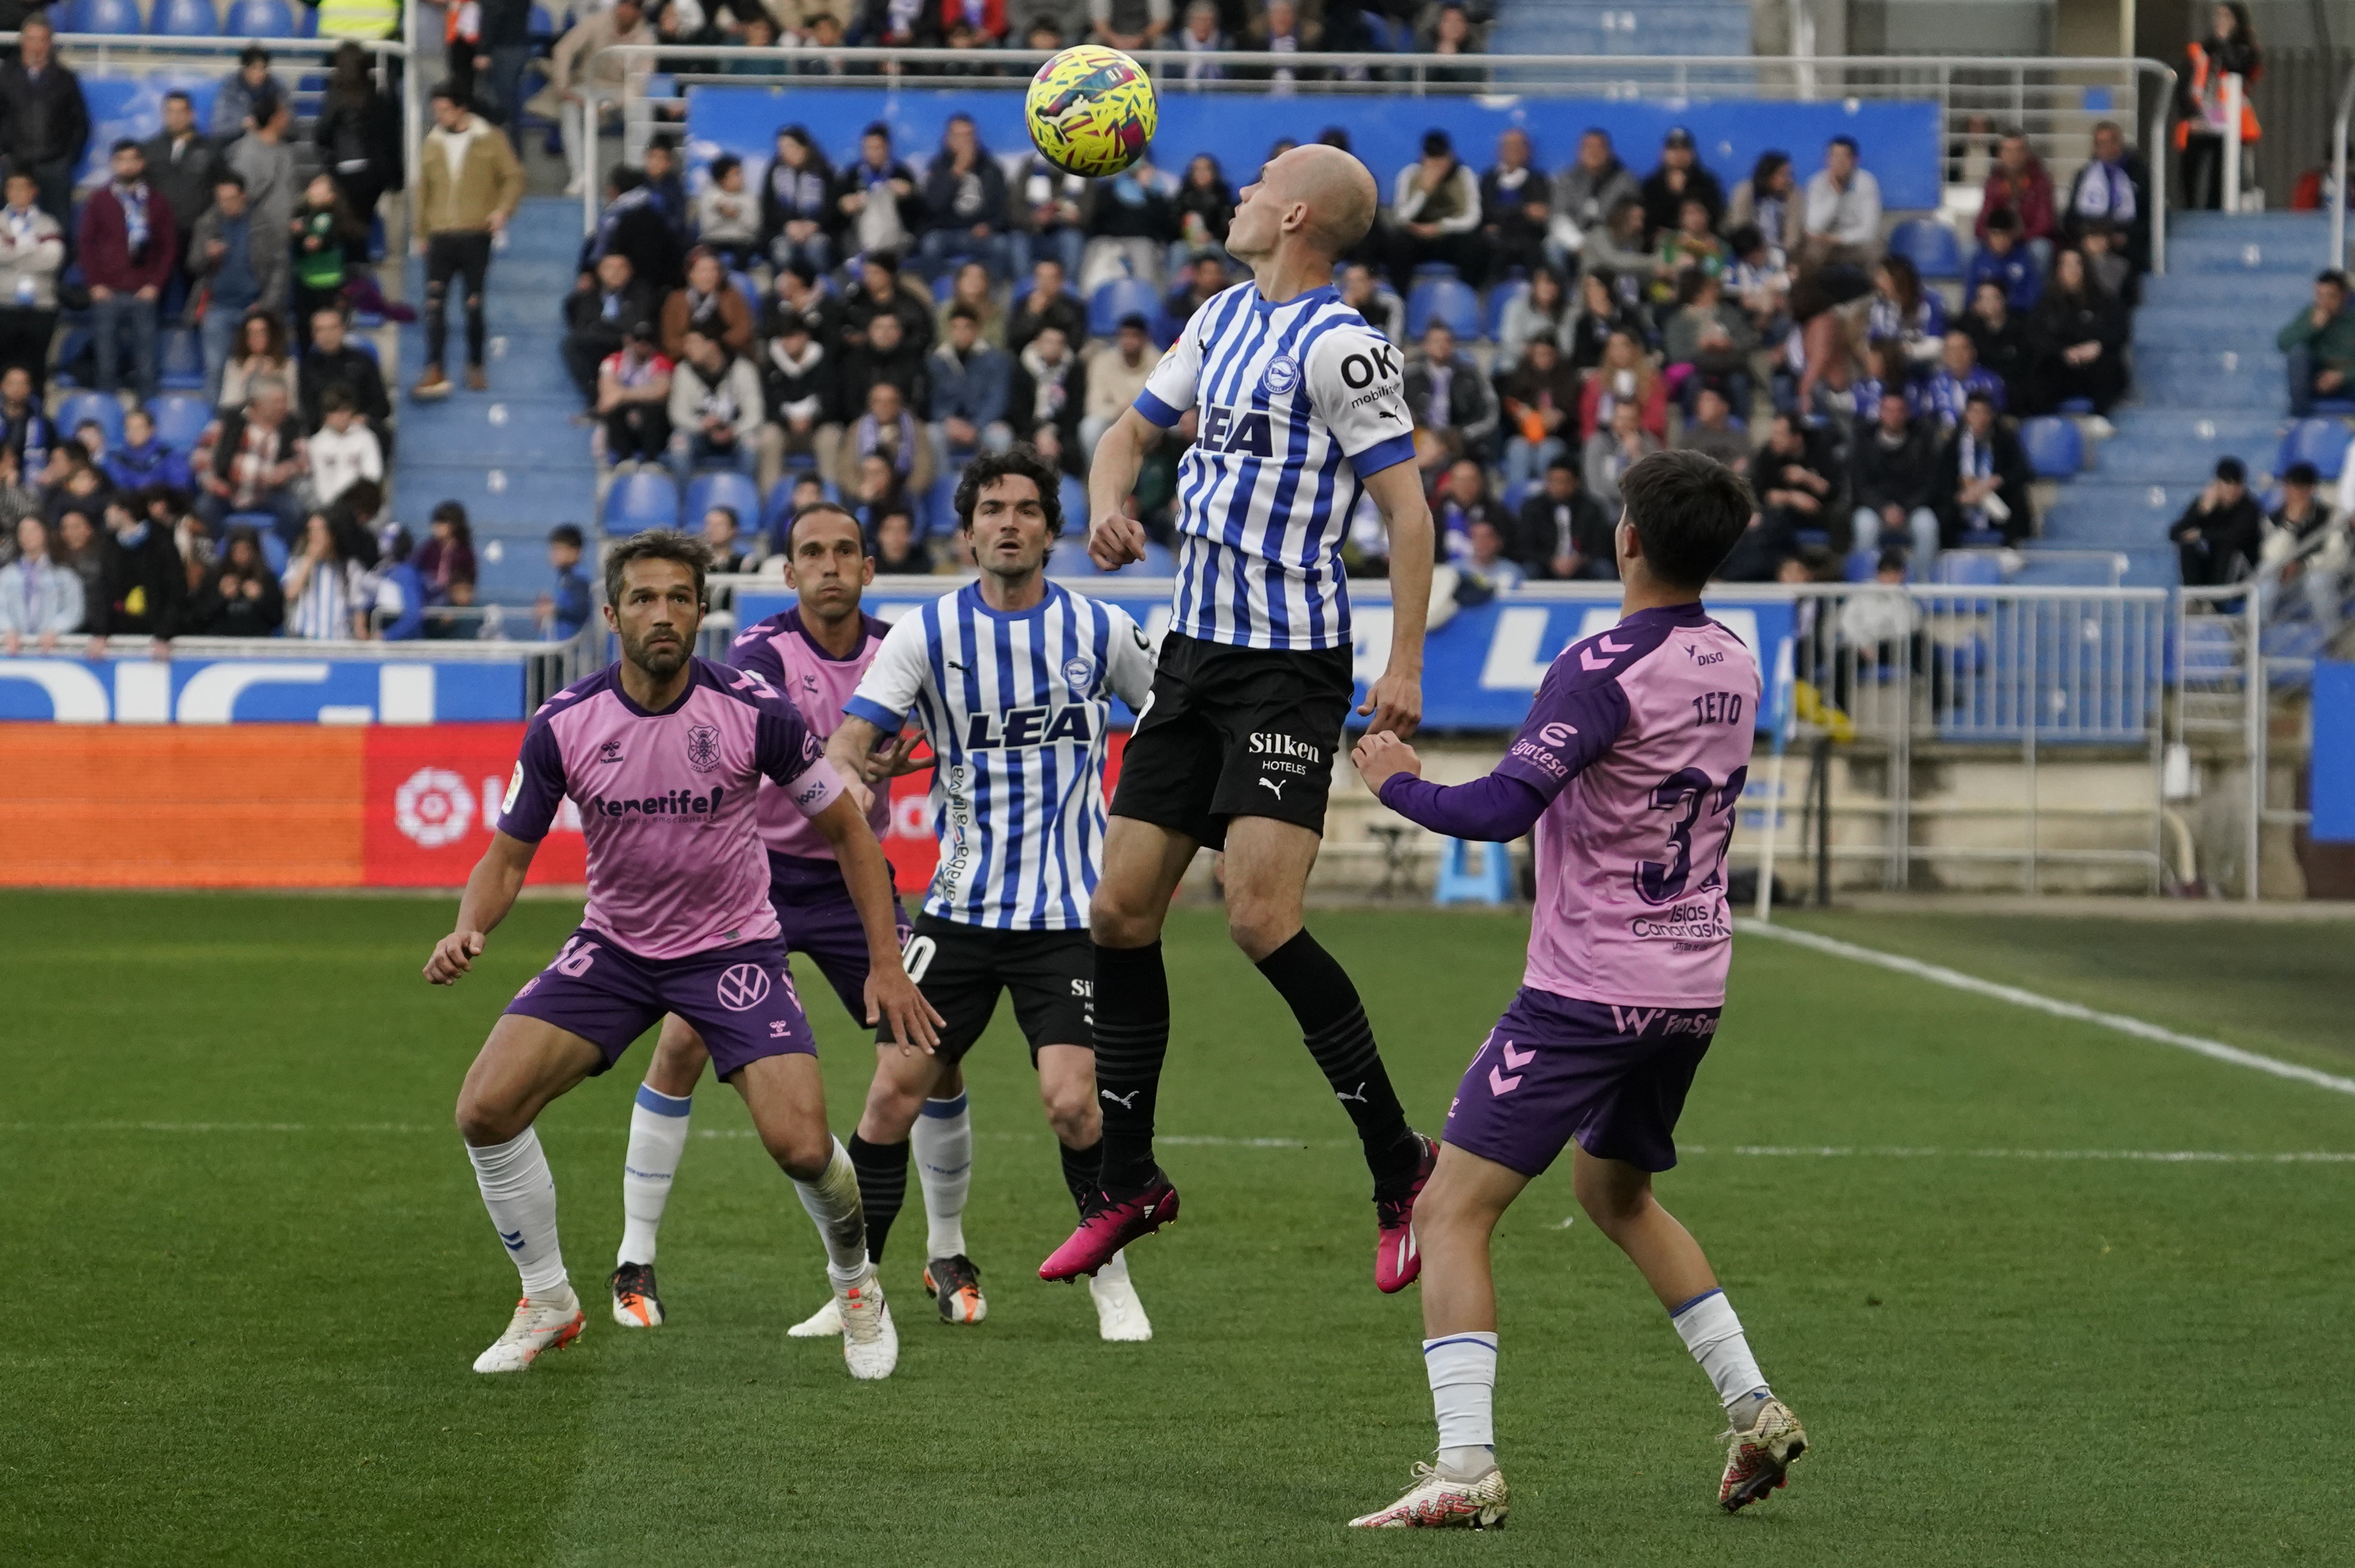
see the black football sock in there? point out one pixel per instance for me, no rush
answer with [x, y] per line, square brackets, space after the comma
[1333, 1022]
[1083, 1171]
[1131, 1035]
[882, 1187]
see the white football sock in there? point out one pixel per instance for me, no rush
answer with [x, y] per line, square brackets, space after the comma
[1116, 1271]
[521, 1196]
[1463, 1369]
[1713, 1334]
[942, 1141]
[833, 1201]
[657, 1140]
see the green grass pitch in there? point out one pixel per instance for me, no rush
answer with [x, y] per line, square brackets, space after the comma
[250, 1271]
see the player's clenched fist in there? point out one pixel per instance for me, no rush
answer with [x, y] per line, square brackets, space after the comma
[453, 955]
[893, 999]
[1114, 539]
[1380, 756]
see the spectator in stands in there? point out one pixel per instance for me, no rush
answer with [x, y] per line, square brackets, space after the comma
[1613, 450]
[562, 612]
[633, 398]
[1446, 394]
[2113, 186]
[1542, 310]
[1436, 214]
[585, 57]
[1449, 32]
[1048, 220]
[1942, 395]
[1484, 556]
[724, 537]
[666, 184]
[2019, 185]
[72, 479]
[887, 355]
[258, 351]
[632, 224]
[1361, 291]
[1712, 432]
[238, 268]
[1132, 224]
[266, 163]
[125, 250]
[244, 599]
[325, 597]
[1904, 312]
[1561, 532]
[965, 203]
[2319, 342]
[727, 216]
[1680, 174]
[715, 407]
[1277, 28]
[882, 291]
[1692, 245]
[1539, 398]
[397, 605]
[358, 133]
[1600, 315]
[2003, 262]
[1205, 206]
[969, 381]
[445, 562]
[1770, 200]
[2002, 344]
[181, 164]
[1798, 479]
[32, 249]
[708, 303]
[141, 459]
[897, 551]
[2230, 49]
[249, 460]
[2107, 266]
[1758, 275]
[798, 298]
[800, 214]
[469, 186]
[1626, 375]
[2221, 535]
[233, 100]
[1983, 478]
[1585, 194]
[342, 450]
[2084, 331]
[40, 596]
[1615, 252]
[972, 290]
[880, 198]
[1712, 338]
[1193, 290]
[142, 586]
[1843, 220]
[1202, 38]
[2301, 521]
[597, 315]
[799, 391]
[26, 433]
[1048, 390]
[332, 362]
[1462, 500]
[1892, 469]
[506, 49]
[44, 122]
[886, 436]
[1116, 373]
[1514, 210]
[1050, 303]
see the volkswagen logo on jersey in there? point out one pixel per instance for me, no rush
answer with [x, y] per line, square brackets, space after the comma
[1079, 674]
[703, 748]
[1282, 375]
[742, 987]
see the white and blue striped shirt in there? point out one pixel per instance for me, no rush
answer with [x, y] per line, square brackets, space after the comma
[1016, 706]
[1297, 405]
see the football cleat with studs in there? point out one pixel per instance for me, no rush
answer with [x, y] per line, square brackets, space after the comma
[1758, 1455]
[549, 1323]
[870, 1344]
[636, 1304]
[1110, 1224]
[825, 1323]
[1437, 1500]
[955, 1283]
[1398, 1261]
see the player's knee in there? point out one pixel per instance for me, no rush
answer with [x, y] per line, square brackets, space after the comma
[482, 1122]
[1072, 1113]
[1613, 1208]
[1260, 926]
[1121, 920]
[801, 1152]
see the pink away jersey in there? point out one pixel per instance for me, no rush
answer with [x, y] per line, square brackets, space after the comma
[668, 802]
[817, 684]
[1640, 740]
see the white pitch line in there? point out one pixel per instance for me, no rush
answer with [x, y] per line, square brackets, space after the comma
[2142, 1155]
[1938, 974]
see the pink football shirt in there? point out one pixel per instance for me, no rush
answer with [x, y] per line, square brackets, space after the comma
[817, 684]
[1640, 740]
[668, 802]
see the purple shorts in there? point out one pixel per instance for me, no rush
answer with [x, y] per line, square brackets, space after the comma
[740, 997]
[818, 916]
[1554, 1069]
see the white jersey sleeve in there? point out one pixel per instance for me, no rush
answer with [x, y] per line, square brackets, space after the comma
[888, 689]
[1131, 676]
[1170, 390]
[1356, 385]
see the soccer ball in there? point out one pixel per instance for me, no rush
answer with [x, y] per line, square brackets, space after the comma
[1090, 111]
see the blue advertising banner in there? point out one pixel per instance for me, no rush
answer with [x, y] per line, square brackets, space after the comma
[1481, 666]
[138, 690]
[1899, 142]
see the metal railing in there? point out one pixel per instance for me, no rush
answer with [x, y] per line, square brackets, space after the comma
[549, 667]
[2337, 194]
[2047, 98]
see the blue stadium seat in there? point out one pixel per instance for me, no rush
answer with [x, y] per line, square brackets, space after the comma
[1970, 569]
[2323, 443]
[179, 418]
[751, 291]
[944, 286]
[259, 19]
[1118, 298]
[185, 19]
[85, 406]
[2077, 405]
[1930, 246]
[1861, 565]
[180, 361]
[734, 490]
[1500, 299]
[2055, 449]
[1448, 301]
[119, 17]
[273, 549]
[642, 500]
[542, 26]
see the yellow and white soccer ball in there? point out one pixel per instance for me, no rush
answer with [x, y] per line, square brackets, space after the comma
[1091, 111]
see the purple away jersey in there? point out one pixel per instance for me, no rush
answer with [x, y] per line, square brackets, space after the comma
[817, 684]
[1639, 739]
[668, 804]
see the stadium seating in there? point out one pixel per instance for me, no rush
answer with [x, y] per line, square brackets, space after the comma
[1118, 298]
[179, 419]
[640, 501]
[80, 407]
[115, 16]
[1970, 569]
[734, 490]
[260, 19]
[2322, 442]
[185, 19]
[1448, 301]
[1500, 300]
[2055, 449]
[180, 361]
[1930, 246]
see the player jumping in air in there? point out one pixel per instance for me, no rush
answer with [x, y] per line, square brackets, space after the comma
[1011, 678]
[662, 754]
[814, 654]
[1299, 410]
[1630, 766]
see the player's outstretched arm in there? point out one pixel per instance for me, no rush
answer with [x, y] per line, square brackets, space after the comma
[1115, 539]
[1395, 699]
[851, 750]
[1494, 808]
[490, 893]
[892, 997]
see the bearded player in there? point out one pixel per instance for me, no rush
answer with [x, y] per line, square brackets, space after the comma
[1630, 766]
[1300, 410]
[663, 752]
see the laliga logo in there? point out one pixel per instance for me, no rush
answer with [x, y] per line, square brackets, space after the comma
[433, 807]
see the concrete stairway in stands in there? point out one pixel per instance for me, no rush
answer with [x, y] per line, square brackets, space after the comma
[513, 455]
[2208, 383]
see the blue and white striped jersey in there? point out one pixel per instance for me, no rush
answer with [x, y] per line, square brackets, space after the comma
[1298, 404]
[1017, 707]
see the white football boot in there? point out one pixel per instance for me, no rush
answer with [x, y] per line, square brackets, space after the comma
[549, 1323]
[1437, 1500]
[825, 1323]
[1120, 1315]
[870, 1345]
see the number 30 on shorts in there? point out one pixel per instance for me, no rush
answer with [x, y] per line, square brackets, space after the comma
[917, 957]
